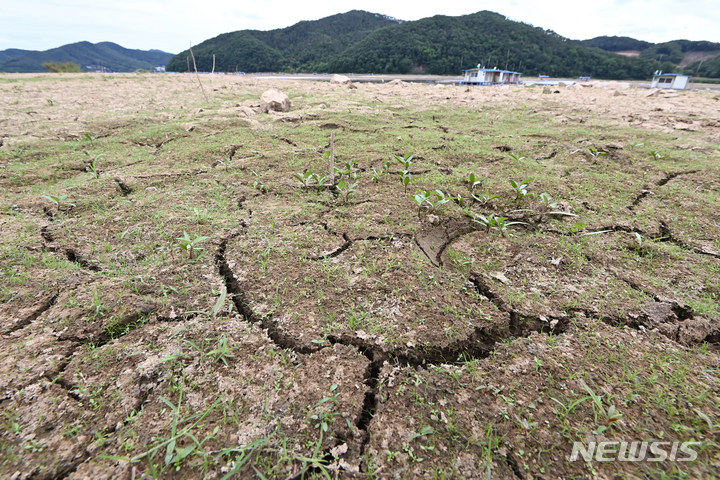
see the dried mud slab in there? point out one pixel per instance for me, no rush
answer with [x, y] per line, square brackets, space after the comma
[230, 373]
[484, 417]
[26, 357]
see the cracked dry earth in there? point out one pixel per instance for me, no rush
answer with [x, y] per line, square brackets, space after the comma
[306, 334]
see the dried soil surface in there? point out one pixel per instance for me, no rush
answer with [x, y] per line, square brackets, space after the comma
[181, 298]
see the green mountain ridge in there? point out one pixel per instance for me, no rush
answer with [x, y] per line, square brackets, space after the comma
[364, 42]
[302, 46]
[110, 56]
[701, 58]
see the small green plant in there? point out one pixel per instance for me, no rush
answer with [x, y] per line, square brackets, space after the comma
[346, 189]
[58, 200]
[377, 175]
[635, 144]
[517, 158]
[474, 181]
[521, 189]
[406, 161]
[578, 227]
[191, 244]
[225, 162]
[304, 178]
[221, 352]
[424, 200]
[484, 197]
[596, 153]
[257, 184]
[526, 425]
[89, 138]
[611, 415]
[549, 207]
[657, 155]
[92, 167]
[319, 180]
[406, 179]
[491, 222]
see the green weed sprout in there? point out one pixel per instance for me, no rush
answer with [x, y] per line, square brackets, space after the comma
[577, 227]
[484, 197]
[520, 189]
[474, 181]
[596, 153]
[657, 155]
[58, 200]
[550, 206]
[191, 244]
[346, 189]
[517, 158]
[319, 180]
[378, 174]
[304, 178]
[225, 163]
[92, 167]
[424, 200]
[491, 222]
[525, 424]
[635, 144]
[407, 160]
[611, 414]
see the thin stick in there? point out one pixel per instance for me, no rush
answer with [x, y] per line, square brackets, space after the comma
[213, 70]
[332, 157]
[198, 76]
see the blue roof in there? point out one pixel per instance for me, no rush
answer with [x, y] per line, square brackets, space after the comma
[489, 70]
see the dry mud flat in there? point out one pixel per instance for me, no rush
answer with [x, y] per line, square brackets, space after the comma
[176, 304]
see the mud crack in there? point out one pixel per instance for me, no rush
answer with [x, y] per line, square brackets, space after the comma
[434, 242]
[667, 236]
[34, 313]
[672, 175]
[348, 243]
[239, 299]
[73, 256]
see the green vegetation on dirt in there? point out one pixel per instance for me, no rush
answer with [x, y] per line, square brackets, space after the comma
[388, 281]
[63, 67]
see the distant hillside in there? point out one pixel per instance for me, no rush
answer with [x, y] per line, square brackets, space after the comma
[89, 56]
[11, 53]
[302, 46]
[682, 53]
[438, 44]
[364, 42]
[615, 44]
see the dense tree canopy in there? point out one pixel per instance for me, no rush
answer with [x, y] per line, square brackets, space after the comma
[364, 42]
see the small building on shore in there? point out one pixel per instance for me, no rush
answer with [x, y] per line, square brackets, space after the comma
[490, 76]
[675, 81]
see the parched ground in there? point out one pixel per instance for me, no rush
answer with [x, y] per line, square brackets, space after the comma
[181, 298]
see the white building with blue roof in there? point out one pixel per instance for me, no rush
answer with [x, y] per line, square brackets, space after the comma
[490, 76]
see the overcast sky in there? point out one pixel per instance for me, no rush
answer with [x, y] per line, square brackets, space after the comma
[171, 25]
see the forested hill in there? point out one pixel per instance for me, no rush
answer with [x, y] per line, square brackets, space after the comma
[303, 46]
[364, 42]
[90, 56]
[699, 58]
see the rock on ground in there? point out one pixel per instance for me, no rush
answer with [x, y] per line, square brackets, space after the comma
[274, 100]
[341, 79]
